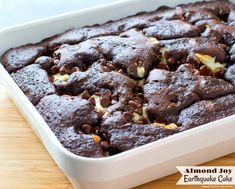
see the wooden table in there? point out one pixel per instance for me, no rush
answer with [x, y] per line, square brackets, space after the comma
[25, 164]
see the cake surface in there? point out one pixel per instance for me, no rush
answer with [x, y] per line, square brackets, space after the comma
[109, 88]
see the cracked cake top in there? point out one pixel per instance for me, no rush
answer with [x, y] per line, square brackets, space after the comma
[108, 88]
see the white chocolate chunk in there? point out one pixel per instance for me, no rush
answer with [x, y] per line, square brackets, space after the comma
[60, 77]
[210, 62]
[140, 72]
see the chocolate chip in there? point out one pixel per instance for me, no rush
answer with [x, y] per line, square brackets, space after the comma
[64, 69]
[92, 100]
[107, 94]
[179, 62]
[54, 70]
[75, 69]
[121, 71]
[51, 78]
[105, 144]
[105, 69]
[134, 105]
[140, 63]
[138, 89]
[83, 68]
[104, 135]
[205, 71]
[128, 115]
[100, 113]
[102, 61]
[171, 61]
[196, 72]
[104, 101]
[56, 55]
[139, 109]
[219, 74]
[85, 95]
[197, 62]
[56, 61]
[86, 128]
[140, 95]
[191, 66]
[115, 97]
[137, 99]
[96, 130]
[111, 67]
[97, 93]
[139, 122]
[163, 66]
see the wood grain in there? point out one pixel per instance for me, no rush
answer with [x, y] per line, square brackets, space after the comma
[25, 164]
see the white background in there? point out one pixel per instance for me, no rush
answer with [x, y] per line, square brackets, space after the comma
[18, 11]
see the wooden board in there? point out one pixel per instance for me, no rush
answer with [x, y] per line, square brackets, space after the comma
[25, 164]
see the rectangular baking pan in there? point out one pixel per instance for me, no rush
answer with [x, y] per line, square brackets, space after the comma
[133, 167]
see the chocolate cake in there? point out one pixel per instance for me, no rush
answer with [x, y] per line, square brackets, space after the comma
[108, 88]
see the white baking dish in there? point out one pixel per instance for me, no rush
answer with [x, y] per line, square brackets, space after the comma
[133, 167]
